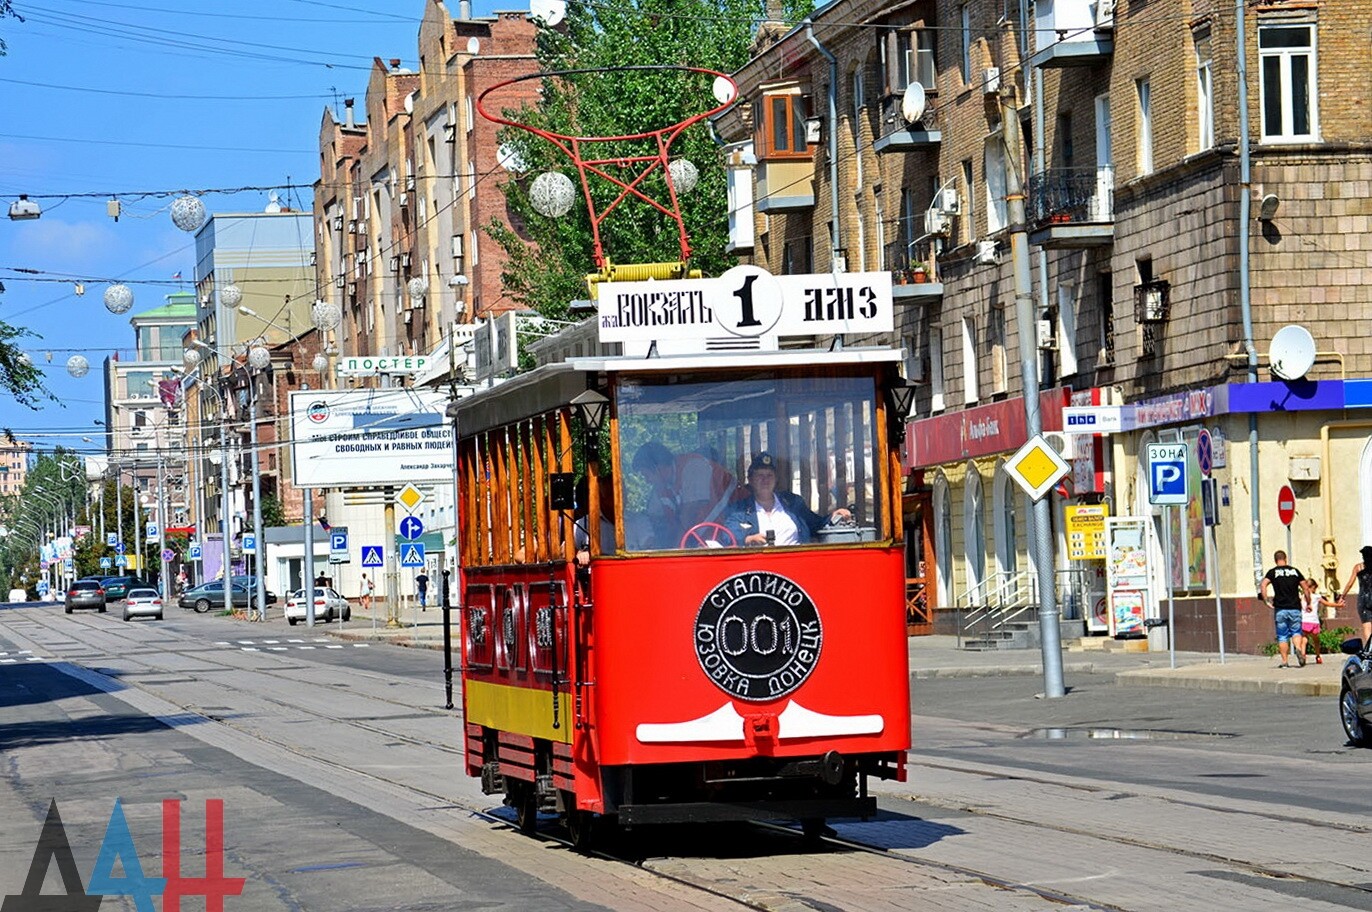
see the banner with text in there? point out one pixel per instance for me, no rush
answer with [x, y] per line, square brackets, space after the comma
[353, 438]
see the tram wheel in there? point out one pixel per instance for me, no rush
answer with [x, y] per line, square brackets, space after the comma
[814, 830]
[523, 797]
[580, 824]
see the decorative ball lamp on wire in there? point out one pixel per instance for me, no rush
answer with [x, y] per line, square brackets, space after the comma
[188, 213]
[418, 287]
[325, 316]
[118, 299]
[78, 366]
[259, 358]
[191, 357]
[230, 295]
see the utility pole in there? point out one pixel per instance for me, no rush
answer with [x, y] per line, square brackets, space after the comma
[259, 590]
[307, 587]
[162, 524]
[1040, 525]
[137, 532]
[118, 510]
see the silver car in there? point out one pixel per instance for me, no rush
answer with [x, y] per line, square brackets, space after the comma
[143, 603]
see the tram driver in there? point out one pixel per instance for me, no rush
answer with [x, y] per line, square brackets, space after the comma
[772, 517]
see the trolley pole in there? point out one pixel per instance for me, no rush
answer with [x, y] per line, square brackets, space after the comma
[447, 641]
[1040, 526]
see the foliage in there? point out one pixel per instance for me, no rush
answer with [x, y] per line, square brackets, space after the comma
[548, 273]
[1330, 641]
[53, 488]
[273, 512]
[18, 374]
[7, 10]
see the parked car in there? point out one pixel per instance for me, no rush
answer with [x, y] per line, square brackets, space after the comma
[85, 594]
[1355, 693]
[211, 595]
[19, 595]
[143, 602]
[328, 605]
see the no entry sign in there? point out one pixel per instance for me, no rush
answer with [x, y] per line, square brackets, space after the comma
[1286, 505]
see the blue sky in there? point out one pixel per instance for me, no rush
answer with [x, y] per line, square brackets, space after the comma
[132, 96]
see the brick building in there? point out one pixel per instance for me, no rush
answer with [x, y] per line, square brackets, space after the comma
[14, 466]
[1137, 214]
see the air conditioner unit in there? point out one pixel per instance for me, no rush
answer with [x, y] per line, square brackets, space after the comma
[352, 226]
[1105, 14]
[1047, 339]
[990, 80]
[936, 221]
[352, 288]
[986, 253]
[948, 202]
[338, 223]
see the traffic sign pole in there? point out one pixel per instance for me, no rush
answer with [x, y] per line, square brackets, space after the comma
[1205, 458]
[1167, 575]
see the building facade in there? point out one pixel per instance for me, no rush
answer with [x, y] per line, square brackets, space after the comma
[14, 466]
[1155, 268]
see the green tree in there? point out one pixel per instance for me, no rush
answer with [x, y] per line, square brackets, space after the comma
[7, 10]
[18, 374]
[273, 512]
[548, 272]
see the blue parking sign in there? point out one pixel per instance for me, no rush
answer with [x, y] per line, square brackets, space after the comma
[1167, 476]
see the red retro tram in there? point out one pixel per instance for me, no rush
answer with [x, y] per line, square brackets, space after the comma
[644, 638]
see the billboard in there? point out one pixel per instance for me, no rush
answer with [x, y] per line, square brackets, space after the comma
[355, 438]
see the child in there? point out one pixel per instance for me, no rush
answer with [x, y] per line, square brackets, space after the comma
[1311, 602]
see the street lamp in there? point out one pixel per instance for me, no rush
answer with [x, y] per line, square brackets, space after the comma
[223, 476]
[24, 209]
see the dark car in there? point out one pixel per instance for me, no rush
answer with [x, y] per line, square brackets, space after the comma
[211, 595]
[1355, 694]
[117, 587]
[85, 593]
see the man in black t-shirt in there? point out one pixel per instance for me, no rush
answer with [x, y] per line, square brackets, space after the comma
[1285, 583]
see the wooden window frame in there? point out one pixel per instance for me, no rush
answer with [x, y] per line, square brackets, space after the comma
[766, 138]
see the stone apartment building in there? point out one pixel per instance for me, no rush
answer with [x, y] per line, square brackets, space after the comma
[1144, 244]
[402, 198]
[14, 466]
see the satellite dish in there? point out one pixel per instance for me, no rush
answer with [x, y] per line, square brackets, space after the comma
[510, 159]
[550, 11]
[1292, 352]
[473, 46]
[723, 90]
[912, 103]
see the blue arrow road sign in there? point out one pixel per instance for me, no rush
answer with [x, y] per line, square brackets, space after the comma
[119, 549]
[411, 527]
[106, 563]
[372, 556]
[111, 539]
[412, 554]
[1167, 480]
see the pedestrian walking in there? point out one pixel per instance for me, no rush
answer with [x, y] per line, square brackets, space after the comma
[367, 588]
[1310, 618]
[421, 583]
[1285, 583]
[1362, 575]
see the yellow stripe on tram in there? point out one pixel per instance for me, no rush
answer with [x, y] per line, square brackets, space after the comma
[519, 709]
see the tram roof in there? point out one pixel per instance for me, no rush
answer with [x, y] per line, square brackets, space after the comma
[555, 385]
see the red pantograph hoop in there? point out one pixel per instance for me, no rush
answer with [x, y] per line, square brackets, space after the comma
[662, 140]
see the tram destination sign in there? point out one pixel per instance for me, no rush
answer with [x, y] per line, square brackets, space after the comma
[353, 438]
[746, 302]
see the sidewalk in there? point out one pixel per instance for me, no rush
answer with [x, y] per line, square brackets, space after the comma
[940, 657]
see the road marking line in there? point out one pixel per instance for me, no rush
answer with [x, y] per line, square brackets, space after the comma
[34, 659]
[321, 639]
[361, 645]
[271, 642]
[333, 647]
[251, 649]
[222, 643]
[306, 647]
[246, 642]
[23, 652]
[8, 661]
[278, 648]
[295, 641]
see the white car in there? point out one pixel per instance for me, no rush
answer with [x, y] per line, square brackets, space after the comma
[143, 602]
[328, 605]
[19, 595]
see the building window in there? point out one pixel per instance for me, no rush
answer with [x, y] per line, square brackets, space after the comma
[896, 61]
[783, 127]
[1067, 331]
[1205, 95]
[1066, 152]
[1000, 367]
[879, 213]
[965, 42]
[859, 105]
[1105, 304]
[910, 226]
[1287, 53]
[971, 387]
[926, 64]
[974, 527]
[997, 216]
[967, 222]
[937, 401]
[1145, 120]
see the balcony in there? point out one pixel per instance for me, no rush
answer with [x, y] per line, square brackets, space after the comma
[1072, 208]
[785, 185]
[909, 285]
[1073, 33]
[897, 135]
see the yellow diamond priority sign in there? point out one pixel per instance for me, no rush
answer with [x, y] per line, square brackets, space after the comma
[1036, 467]
[409, 497]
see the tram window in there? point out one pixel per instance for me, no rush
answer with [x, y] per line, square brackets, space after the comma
[686, 449]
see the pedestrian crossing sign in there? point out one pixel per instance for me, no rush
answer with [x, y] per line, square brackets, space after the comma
[372, 556]
[412, 554]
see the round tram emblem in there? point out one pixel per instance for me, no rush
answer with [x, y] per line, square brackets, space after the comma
[758, 636]
[318, 412]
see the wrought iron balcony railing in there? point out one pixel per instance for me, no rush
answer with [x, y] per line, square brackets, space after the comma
[1072, 195]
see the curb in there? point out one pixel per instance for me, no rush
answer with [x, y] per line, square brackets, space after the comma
[1000, 671]
[1233, 685]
